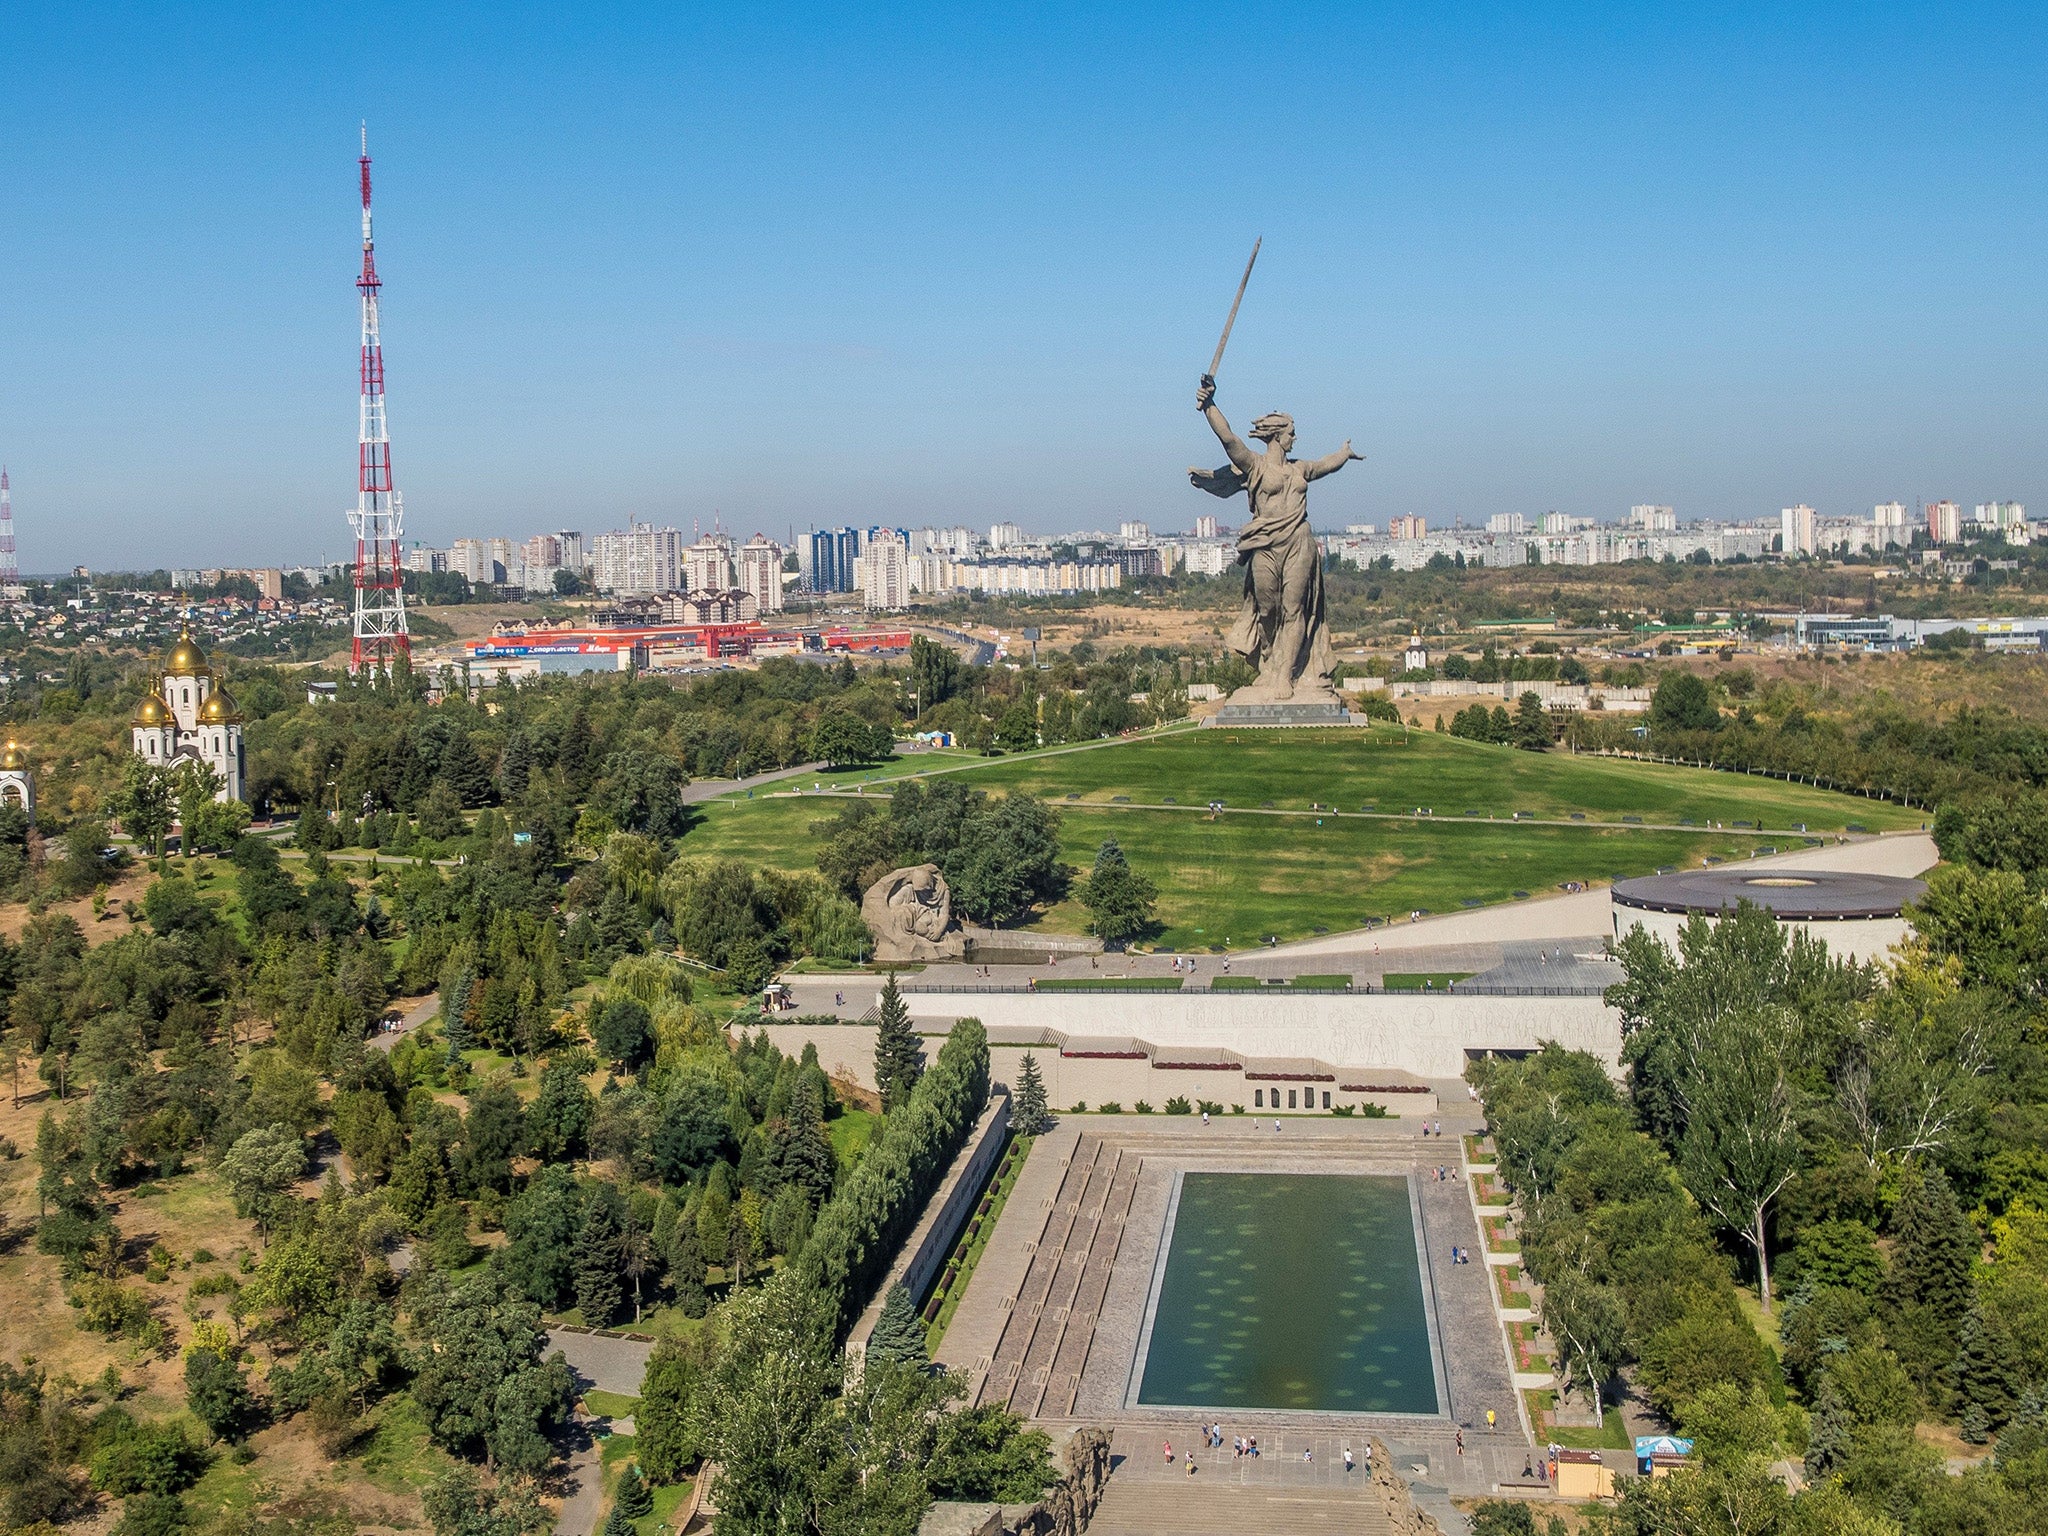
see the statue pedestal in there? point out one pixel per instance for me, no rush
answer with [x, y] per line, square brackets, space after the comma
[1284, 714]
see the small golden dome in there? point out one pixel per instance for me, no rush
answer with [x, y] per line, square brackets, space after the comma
[151, 711]
[186, 659]
[13, 757]
[219, 709]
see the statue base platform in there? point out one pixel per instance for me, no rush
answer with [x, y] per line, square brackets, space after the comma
[1284, 715]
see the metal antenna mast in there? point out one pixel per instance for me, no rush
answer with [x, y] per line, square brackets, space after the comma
[10, 567]
[380, 632]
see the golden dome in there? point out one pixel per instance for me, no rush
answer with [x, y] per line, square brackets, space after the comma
[186, 659]
[151, 711]
[13, 757]
[219, 709]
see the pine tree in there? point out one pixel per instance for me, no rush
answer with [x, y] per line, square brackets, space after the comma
[1028, 1114]
[1987, 1370]
[899, 1057]
[454, 1013]
[635, 1498]
[899, 1336]
[685, 1258]
[1832, 1428]
[1936, 1247]
[595, 1262]
[799, 1150]
[618, 1523]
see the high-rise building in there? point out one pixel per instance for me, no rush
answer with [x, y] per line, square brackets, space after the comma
[1653, 519]
[642, 561]
[1005, 536]
[1134, 532]
[1205, 526]
[833, 553]
[1944, 522]
[1891, 517]
[2003, 515]
[884, 573]
[1408, 527]
[1796, 531]
[1557, 522]
[707, 565]
[472, 558]
[1507, 522]
[760, 572]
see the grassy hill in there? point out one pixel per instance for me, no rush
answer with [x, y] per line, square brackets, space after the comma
[1273, 865]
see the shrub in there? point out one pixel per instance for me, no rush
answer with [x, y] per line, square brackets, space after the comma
[1209, 1106]
[1237, 1109]
[1142, 1107]
[1080, 1107]
[1109, 1107]
[1177, 1105]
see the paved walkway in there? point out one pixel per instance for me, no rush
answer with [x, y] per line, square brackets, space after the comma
[582, 1483]
[608, 1362]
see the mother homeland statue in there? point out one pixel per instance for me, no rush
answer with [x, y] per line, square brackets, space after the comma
[1281, 627]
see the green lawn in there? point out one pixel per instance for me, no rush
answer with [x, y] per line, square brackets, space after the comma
[1237, 879]
[851, 1130]
[1296, 983]
[1250, 873]
[1421, 981]
[1398, 771]
[1108, 984]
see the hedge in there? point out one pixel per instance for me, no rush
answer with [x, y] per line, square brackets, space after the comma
[861, 1227]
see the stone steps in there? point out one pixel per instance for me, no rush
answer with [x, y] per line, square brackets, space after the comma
[1078, 1331]
[1006, 1367]
[1072, 1263]
[1199, 1506]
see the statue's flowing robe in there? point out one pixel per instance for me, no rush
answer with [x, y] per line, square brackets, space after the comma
[1278, 531]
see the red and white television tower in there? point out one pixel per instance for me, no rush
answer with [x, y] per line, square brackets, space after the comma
[10, 565]
[380, 633]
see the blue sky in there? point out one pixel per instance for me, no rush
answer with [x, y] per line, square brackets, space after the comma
[965, 263]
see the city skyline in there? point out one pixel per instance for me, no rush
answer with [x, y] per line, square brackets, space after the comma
[724, 270]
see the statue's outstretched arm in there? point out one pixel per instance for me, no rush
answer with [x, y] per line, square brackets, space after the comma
[1330, 463]
[1205, 398]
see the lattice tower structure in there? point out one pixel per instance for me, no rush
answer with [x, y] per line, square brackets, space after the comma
[10, 564]
[380, 630]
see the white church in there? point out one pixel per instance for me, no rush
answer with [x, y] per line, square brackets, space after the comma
[188, 714]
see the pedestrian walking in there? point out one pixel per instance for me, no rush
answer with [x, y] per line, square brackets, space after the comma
[1347, 1459]
[1191, 1466]
[1168, 1447]
[1205, 1117]
[1489, 1418]
[1461, 1440]
[1307, 1455]
[1276, 1122]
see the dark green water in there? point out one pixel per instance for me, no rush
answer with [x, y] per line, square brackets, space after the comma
[1292, 1291]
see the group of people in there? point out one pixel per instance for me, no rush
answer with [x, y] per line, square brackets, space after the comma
[1460, 1255]
[1432, 1128]
[1242, 1446]
[1446, 1175]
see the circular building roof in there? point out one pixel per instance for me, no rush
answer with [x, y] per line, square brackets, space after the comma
[219, 709]
[13, 758]
[150, 710]
[186, 659]
[1802, 895]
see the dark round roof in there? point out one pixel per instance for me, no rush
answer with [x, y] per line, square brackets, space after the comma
[1804, 895]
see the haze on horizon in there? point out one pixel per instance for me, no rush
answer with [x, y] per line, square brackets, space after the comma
[965, 264]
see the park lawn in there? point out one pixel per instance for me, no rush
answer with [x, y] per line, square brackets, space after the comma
[610, 1405]
[1235, 880]
[1398, 771]
[850, 1131]
[1108, 984]
[1274, 984]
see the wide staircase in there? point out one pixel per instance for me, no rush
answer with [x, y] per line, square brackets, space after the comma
[1038, 1362]
[1197, 1506]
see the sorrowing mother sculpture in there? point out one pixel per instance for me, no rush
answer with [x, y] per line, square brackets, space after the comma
[1282, 628]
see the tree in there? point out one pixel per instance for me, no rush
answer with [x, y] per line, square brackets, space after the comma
[595, 1262]
[558, 1121]
[1741, 1145]
[480, 1378]
[1682, 703]
[634, 1498]
[899, 1336]
[665, 1424]
[1829, 1439]
[1590, 1325]
[768, 1408]
[899, 1056]
[799, 1151]
[1120, 901]
[193, 785]
[843, 739]
[261, 1165]
[144, 806]
[1988, 1372]
[1532, 724]
[934, 673]
[621, 1032]
[461, 1504]
[1929, 1291]
[1028, 1113]
[217, 1393]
